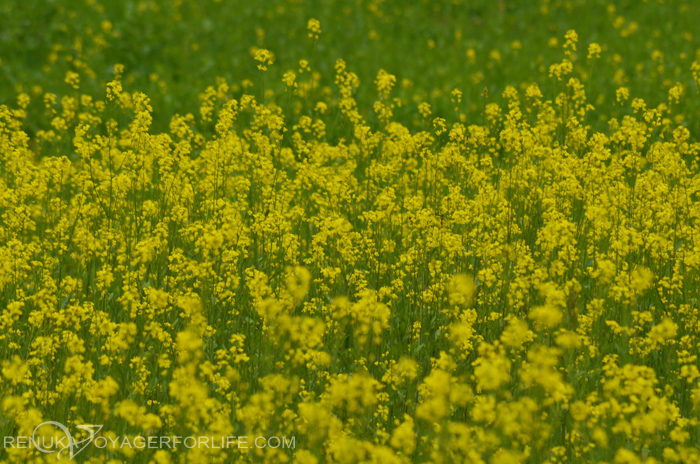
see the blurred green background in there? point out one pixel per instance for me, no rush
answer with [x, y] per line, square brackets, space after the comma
[172, 50]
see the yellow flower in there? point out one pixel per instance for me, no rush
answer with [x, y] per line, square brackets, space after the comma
[385, 82]
[461, 290]
[264, 58]
[403, 437]
[424, 109]
[491, 368]
[547, 316]
[594, 51]
[73, 79]
[314, 27]
[516, 334]
[663, 331]
[571, 40]
[298, 280]
[289, 79]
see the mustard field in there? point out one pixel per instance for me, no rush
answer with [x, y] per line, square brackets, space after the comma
[375, 232]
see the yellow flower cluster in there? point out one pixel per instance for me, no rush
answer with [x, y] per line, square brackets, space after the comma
[525, 289]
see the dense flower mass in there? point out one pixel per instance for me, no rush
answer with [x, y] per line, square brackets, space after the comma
[519, 289]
